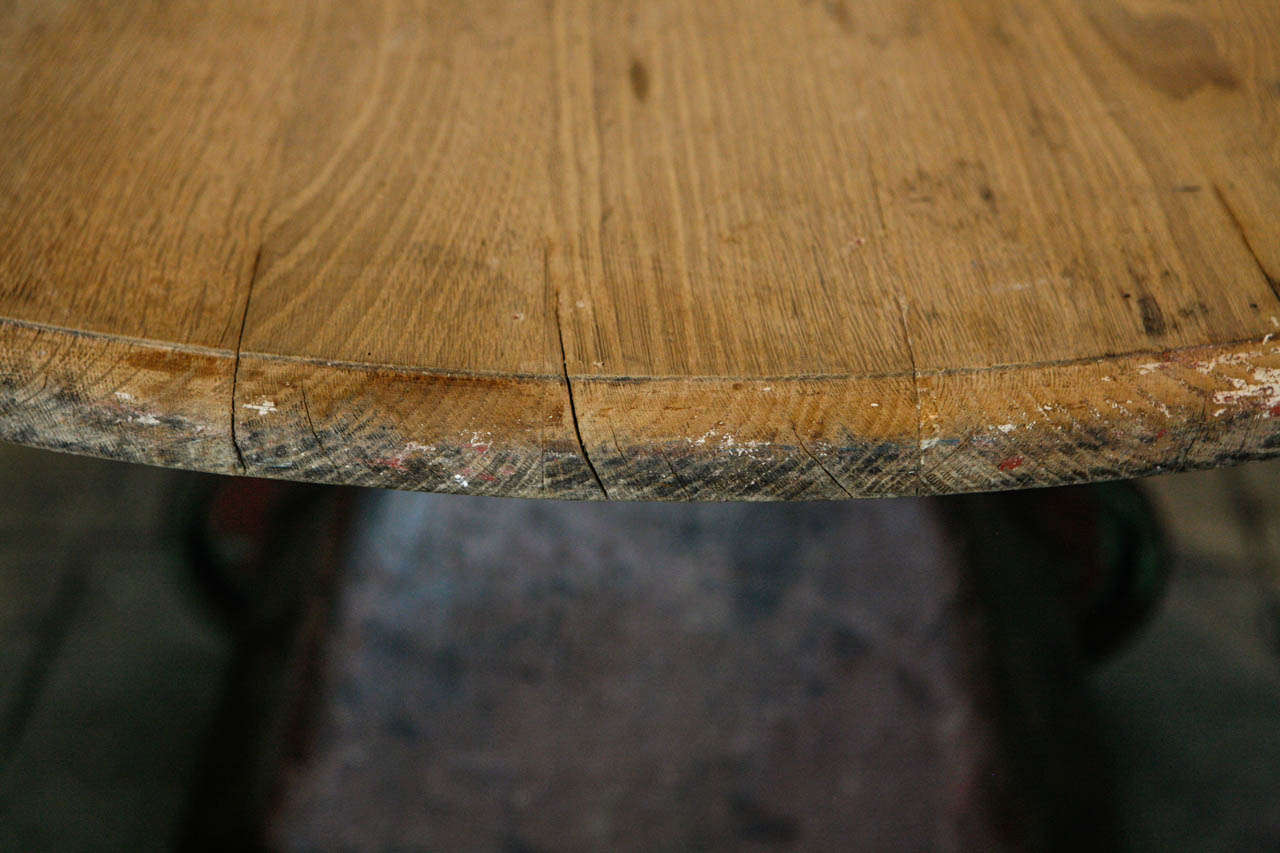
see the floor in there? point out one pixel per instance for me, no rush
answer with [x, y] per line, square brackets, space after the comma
[109, 664]
[1192, 708]
[113, 663]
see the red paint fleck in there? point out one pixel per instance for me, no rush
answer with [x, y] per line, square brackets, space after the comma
[1161, 434]
[1010, 463]
[480, 448]
[391, 462]
[488, 478]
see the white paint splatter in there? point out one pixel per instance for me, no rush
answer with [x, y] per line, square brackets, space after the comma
[125, 397]
[927, 443]
[146, 420]
[262, 407]
[1263, 389]
[1006, 427]
[703, 439]
[461, 480]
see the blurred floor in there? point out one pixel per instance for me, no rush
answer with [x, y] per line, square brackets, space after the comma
[112, 667]
[110, 670]
[1192, 707]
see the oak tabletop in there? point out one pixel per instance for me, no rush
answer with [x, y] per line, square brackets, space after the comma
[725, 249]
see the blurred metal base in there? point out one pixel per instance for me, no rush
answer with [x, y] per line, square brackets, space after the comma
[519, 675]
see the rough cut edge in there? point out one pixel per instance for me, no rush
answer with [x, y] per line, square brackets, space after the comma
[389, 428]
[649, 439]
[1125, 417]
[116, 398]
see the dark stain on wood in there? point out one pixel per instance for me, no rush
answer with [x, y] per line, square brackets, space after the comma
[1153, 322]
[639, 77]
[175, 362]
[839, 13]
[1174, 54]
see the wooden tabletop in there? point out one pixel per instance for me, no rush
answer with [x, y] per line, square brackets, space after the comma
[679, 250]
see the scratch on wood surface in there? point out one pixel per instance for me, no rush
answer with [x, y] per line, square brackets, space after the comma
[875, 186]
[818, 462]
[684, 488]
[1200, 426]
[311, 425]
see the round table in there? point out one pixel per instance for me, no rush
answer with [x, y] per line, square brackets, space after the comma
[731, 249]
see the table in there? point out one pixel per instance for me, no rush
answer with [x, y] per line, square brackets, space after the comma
[731, 249]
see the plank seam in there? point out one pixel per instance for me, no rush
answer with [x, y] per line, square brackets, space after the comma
[111, 337]
[449, 373]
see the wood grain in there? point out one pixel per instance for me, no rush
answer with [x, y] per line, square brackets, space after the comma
[732, 249]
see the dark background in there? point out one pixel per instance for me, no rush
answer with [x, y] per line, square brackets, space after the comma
[395, 670]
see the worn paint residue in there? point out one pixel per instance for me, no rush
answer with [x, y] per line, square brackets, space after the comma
[1262, 388]
[396, 461]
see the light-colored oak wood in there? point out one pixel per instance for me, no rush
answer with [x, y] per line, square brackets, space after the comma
[725, 249]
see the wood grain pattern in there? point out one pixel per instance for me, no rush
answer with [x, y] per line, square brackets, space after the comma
[732, 249]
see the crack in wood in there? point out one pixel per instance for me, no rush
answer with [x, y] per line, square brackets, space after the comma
[568, 384]
[235, 369]
[1272, 281]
